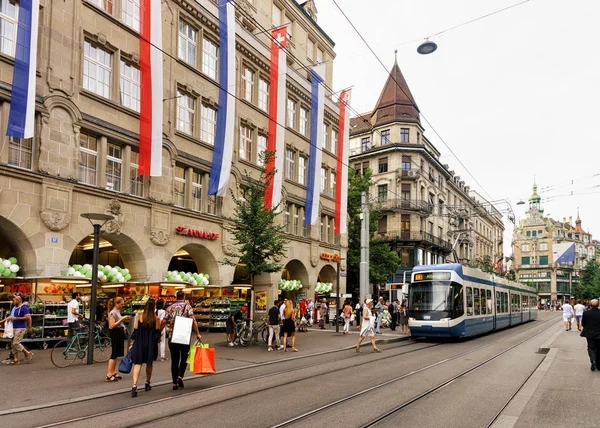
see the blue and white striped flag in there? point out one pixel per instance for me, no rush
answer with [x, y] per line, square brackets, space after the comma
[316, 144]
[22, 103]
[223, 151]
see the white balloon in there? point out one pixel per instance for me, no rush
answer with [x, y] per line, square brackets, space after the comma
[71, 271]
[14, 268]
[6, 263]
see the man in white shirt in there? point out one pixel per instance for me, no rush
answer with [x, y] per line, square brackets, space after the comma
[73, 315]
[379, 307]
[579, 309]
[568, 315]
[281, 308]
[310, 309]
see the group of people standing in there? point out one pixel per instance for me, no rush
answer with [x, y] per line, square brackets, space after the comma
[152, 327]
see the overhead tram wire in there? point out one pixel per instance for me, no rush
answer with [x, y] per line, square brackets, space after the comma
[397, 84]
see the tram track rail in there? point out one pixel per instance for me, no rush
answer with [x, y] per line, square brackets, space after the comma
[287, 372]
[426, 393]
[233, 383]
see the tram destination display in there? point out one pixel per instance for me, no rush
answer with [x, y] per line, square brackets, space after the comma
[433, 276]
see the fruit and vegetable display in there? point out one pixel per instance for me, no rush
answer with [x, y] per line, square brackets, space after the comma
[290, 285]
[324, 287]
[58, 288]
[190, 278]
[106, 273]
[9, 267]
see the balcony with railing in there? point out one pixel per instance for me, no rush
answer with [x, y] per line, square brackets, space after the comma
[401, 205]
[423, 238]
[409, 173]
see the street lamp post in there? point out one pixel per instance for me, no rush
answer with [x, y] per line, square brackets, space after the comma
[97, 220]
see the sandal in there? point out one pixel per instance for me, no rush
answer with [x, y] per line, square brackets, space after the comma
[376, 350]
[110, 378]
[147, 386]
[13, 362]
[28, 359]
[117, 376]
[358, 349]
[294, 350]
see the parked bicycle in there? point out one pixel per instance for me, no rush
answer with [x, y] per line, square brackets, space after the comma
[66, 351]
[245, 335]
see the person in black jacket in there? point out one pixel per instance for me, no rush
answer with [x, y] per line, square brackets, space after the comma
[591, 331]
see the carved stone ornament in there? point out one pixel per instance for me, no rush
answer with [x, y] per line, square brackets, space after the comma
[114, 226]
[56, 205]
[314, 261]
[277, 258]
[343, 266]
[229, 249]
[160, 222]
[159, 237]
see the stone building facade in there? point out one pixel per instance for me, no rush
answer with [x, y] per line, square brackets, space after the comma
[84, 155]
[537, 245]
[428, 211]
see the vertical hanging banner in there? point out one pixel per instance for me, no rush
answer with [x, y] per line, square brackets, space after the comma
[341, 189]
[151, 86]
[22, 101]
[317, 106]
[275, 142]
[223, 151]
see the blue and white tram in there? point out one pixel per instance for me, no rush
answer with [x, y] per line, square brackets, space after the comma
[452, 300]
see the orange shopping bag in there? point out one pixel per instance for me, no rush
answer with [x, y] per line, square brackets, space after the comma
[204, 360]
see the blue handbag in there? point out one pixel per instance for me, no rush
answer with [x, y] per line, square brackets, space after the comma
[126, 364]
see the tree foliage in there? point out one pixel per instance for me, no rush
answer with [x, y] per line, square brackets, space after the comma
[589, 285]
[259, 242]
[383, 261]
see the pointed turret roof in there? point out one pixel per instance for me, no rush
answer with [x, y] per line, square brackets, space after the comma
[395, 104]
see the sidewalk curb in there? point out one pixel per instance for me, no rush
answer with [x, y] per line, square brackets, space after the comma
[513, 411]
[193, 376]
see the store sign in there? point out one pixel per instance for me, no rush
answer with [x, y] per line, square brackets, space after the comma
[180, 230]
[336, 258]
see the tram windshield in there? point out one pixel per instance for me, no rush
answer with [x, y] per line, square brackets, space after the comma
[433, 300]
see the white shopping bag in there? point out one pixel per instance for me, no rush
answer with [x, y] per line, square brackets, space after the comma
[182, 330]
[8, 330]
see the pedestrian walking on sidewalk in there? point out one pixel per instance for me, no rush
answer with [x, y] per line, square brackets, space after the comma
[144, 345]
[347, 314]
[591, 331]
[309, 311]
[161, 313]
[379, 312]
[358, 309]
[274, 319]
[568, 314]
[579, 310]
[289, 327]
[73, 315]
[323, 311]
[367, 329]
[179, 352]
[393, 310]
[403, 318]
[21, 320]
[117, 336]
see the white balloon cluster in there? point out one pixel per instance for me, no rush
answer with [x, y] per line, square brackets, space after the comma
[190, 278]
[290, 285]
[9, 267]
[324, 287]
[106, 273]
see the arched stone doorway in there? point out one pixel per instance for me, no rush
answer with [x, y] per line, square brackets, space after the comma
[328, 274]
[196, 258]
[115, 250]
[14, 243]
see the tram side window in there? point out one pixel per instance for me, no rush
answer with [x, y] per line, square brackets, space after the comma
[490, 303]
[518, 302]
[469, 301]
[459, 302]
[505, 303]
[476, 301]
[498, 302]
[483, 302]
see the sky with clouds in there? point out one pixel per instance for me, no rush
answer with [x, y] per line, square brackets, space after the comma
[514, 95]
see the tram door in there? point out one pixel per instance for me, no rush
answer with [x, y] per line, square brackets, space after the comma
[495, 305]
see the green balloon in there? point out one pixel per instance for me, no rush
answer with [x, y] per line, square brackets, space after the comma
[105, 270]
[13, 260]
[13, 274]
[127, 277]
[88, 274]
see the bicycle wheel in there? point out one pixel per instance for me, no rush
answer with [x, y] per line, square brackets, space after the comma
[62, 354]
[102, 349]
[245, 336]
[265, 334]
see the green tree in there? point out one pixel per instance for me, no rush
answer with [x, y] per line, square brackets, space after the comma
[383, 261]
[259, 242]
[589, 286]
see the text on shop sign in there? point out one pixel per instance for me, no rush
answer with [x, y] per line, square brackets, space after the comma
[180, 230]
[336, 258]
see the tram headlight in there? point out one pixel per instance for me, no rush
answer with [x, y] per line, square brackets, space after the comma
[411, 319]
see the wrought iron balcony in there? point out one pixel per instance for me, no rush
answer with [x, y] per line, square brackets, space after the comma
[400, 205]
[418, 237]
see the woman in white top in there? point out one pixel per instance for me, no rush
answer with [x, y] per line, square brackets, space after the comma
[160, 313]
[368, 323]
